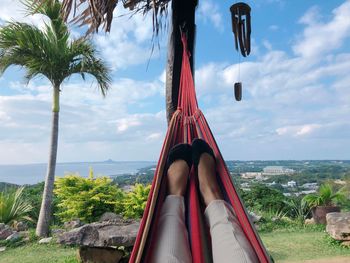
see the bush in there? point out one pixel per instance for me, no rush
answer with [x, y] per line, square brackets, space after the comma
[86, 198]
[13, 207]
[135, 201]
[263, 198]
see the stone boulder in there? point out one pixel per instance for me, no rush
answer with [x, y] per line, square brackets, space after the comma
[14, 236]
[20, 226]
[309, 221]
[254, 217]
[108, 216]
[99, 255]
[338, 225]
[5, 231]
[73, 224]
[46, 240]
[112, 233]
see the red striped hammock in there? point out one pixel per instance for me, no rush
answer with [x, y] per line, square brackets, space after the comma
[188, 123]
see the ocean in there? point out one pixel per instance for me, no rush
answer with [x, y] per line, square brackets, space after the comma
[35, 173]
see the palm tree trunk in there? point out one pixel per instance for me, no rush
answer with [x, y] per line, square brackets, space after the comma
[183, 12]
[42, 228]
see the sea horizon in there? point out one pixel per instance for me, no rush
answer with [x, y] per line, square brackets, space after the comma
[33, 173]
[24, 174]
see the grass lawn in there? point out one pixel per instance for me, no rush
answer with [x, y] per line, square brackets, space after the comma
[300, 246]
[39, 253]
[284, 247]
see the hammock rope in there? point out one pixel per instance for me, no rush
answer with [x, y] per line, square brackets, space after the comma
[188, 123]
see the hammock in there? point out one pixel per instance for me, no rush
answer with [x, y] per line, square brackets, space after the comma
[188, 123]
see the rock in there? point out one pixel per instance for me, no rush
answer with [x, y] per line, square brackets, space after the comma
[102, 234]
[110, 216]
[338, 225]
[309, 221]
[73, 224]
[2, 249]
[45, 240]
[20, 226]
[345, 244]
[254, 217]
[5, 232]
[57, 232]
[13, 236]
[99, 255]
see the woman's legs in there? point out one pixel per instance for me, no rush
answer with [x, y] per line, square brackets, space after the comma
[171, 241]
[229, 244]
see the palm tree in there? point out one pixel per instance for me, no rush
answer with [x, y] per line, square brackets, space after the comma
[50, 53]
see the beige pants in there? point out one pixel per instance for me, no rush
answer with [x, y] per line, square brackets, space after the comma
[229, 243]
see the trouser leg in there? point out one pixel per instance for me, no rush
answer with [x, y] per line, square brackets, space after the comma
[171, 241]
[229, 244]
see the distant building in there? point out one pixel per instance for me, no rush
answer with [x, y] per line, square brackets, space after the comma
[277, 170]
[311, 186]
[292, 184]
[251, 175]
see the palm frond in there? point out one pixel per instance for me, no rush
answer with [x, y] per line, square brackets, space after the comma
[84, 61]
[50, 52]
[13, 207]
[100, 12]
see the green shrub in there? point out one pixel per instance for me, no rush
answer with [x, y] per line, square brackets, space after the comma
[13, 207]
[85, 198]
[135, 201]
[263, 198]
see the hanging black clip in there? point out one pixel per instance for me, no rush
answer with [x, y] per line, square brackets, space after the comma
[241, 26]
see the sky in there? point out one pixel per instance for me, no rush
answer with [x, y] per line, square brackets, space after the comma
[296, 96]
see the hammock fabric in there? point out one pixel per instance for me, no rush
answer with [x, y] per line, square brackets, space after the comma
[188, 123]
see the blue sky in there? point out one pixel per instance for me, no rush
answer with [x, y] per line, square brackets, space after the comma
[296, 100]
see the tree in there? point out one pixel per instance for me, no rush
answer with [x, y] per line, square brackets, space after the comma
[51, 53]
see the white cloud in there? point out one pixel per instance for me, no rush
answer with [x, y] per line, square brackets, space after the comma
[208, 11]
[321, 37]
[86, 121]
[130, 40]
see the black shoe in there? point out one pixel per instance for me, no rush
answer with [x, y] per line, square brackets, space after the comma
[200, 146]
[182, 151]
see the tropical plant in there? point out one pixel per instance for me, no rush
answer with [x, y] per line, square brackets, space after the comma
[297, 209]
[51, 53]
[326, 196]
[86, 198]
[135, 201]
[13, 207]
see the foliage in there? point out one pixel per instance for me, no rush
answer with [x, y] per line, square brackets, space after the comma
[49, 52]
[297, 209]
[261, 197]
[135, 201]
[12, 243]
[33, 194]
[85, 198]
[326, 196]
[13, 207]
